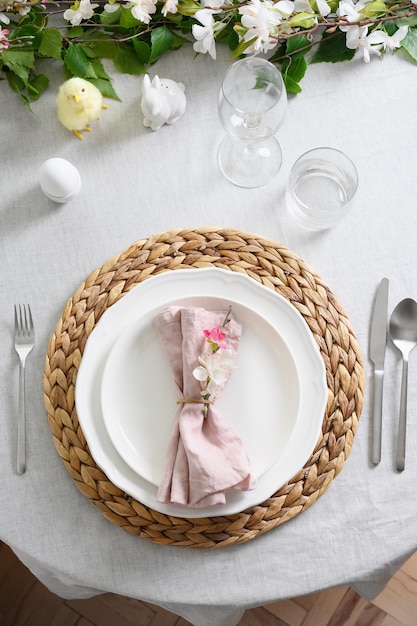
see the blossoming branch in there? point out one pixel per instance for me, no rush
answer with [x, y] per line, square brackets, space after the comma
[216, 363]
[135, 33]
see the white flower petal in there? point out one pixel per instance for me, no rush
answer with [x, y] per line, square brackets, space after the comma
[200, 373]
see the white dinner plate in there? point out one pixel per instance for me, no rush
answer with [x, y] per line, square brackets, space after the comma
[139, 398]
[185, 287]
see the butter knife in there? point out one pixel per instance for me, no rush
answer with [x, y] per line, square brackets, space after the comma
[377, 345]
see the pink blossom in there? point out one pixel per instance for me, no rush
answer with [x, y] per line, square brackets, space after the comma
[216, 336]
[4, 43]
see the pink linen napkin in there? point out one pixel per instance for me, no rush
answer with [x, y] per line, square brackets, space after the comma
[205, 456]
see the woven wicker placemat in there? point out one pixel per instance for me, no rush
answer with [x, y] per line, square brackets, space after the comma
[276, 267]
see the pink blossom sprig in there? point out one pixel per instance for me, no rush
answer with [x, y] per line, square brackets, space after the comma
[216, 363]
[215, 338]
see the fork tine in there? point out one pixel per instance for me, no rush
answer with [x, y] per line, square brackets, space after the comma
[19, 320]
[23, 320]
[30, 320]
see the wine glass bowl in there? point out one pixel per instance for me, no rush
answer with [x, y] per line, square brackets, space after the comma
[252, 104]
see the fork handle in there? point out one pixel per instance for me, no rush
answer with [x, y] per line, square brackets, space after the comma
[21, 426]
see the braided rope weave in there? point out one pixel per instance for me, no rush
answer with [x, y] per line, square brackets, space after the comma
[276, 267]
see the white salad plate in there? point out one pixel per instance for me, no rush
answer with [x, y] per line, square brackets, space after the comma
[292, 360]
[139, 398]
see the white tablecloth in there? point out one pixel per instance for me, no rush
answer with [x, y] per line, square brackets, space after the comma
[137, 182]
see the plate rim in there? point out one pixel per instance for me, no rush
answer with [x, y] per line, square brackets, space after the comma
[114, 474]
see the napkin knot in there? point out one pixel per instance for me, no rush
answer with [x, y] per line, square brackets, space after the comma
[194, 401]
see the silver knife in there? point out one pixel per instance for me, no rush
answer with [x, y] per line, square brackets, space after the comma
[377, 345]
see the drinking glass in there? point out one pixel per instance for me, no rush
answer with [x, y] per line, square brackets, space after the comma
[321, 187]
[252, 105]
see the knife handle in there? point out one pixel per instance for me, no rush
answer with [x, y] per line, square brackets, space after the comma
[377, 416]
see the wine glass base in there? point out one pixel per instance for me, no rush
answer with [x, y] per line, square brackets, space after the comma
[249, 164]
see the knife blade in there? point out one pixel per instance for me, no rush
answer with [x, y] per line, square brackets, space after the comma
[377, 346]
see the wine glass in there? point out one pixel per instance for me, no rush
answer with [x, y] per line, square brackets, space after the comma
[252, 104]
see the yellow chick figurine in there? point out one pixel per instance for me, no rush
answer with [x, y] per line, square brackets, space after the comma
[79, 103]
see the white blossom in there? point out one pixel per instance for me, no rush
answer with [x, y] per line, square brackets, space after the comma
[357, 38]
[351, 11]
[214, 369]
[304, 6]
[143, 9]
[82, 10]
[170, 6]
[111, 7]
[215, 4]
[390, 43]
[262, 18]
[23, 7]
[323, 7]
[204, 32]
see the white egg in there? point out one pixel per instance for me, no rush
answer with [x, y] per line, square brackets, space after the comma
[59, 179]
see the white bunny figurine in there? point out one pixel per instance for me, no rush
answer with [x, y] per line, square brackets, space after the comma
[163, 101]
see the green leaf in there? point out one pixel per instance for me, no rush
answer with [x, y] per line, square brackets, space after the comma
[188, 7]
[291, 85]
[103, 82]
[297, 67]
[161, 41]
[177, 19]
[390, 27]
[104, 49]
[51, 43]
[99, 70]
[373, 9]
[110, 18]
[333, 49]
[89, 52]
[127, 20]
[409, 43]
[30, 34]
[293, 71]
[106, 88]
[240, 49]
[17, 85]
[77, 62]
[15, 82]
[126, 61]
[99, 45]
[300, 43]
[178, 41]
[19, 61]
[407, 21]
[293, 63]
[143, 50]
[75, 31]
[233, 40]
[302, 20]
[37, 86]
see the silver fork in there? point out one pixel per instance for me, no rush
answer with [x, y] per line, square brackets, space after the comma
[24, 340]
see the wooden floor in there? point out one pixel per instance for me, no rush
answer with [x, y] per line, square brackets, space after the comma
[24, 601]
